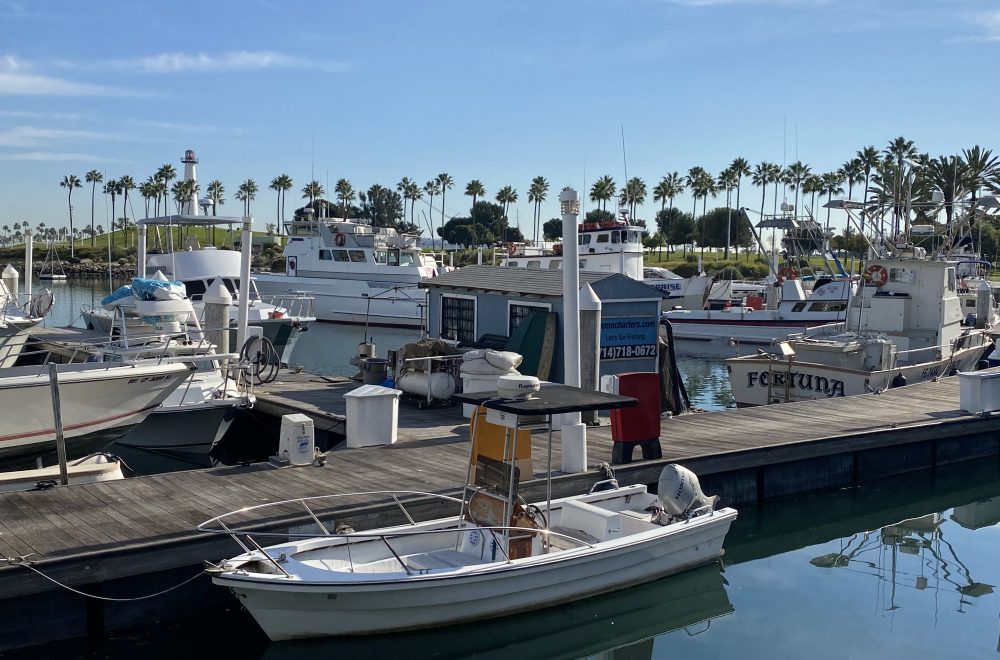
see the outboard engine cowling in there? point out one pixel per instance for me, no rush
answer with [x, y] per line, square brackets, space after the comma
[679, 491]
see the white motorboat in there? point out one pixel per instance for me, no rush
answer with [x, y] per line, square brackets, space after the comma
[359, 274]
[497, 557]
[905, 326]
[15, 320]
[204, 406]
[99, 403]
[616, 247]
[87, 470]
[742, 329]
[282, 318]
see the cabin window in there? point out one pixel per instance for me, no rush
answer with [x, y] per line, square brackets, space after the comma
[326, 255]
[584, 239]
[950, 274]
[798, 307]
[340, 255]
[969, 302]
[602, 238]
[512, 264]
[535, 263]
[392, 257]
[555, 264]
[633, 237]
[901, 275]
[614, 236]
[517, 312]
[196, 289]
[407, 258]
[583, 264]
[832, 306]
[380, 256]
[357, 256]
[458, 317]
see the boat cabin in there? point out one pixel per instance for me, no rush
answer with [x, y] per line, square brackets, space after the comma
[608, 247]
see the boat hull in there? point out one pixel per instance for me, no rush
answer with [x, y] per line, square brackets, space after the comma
[292, 610]
[98, 405]
[381, 303]
[758, 381]
[176, 438]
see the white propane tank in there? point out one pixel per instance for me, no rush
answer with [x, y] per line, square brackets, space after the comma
[10, 278]
[679, 490]
[297, 442]
[517, 387]
[441, 385]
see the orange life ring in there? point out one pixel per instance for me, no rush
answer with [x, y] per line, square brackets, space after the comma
[511, 250]
[877, 274]
[787, 273]
[340, 240]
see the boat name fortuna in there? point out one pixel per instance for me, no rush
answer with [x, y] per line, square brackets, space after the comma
[828, 386]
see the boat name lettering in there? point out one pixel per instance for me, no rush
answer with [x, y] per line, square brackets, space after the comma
[665, 286]
[795, 380]
[147, 379]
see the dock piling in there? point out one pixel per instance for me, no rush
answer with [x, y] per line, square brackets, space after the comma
[57, 416]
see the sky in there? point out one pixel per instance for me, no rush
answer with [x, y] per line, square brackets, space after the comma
[500, 91]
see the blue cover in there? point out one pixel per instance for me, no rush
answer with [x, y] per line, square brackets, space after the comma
[117, 294]
[143, 287]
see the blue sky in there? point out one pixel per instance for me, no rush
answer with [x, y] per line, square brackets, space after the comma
[497, 91]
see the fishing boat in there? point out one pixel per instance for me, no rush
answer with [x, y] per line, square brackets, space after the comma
[359, 274]
[498, 556]
[282, 318]
[906, 325]
[616, 247]
[99, 403]
[52, 268]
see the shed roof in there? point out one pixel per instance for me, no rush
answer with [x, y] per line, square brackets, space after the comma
[503, 279]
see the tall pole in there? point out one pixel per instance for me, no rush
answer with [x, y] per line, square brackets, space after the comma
[140, 250]
[28, 266]
[57, 417]
[244, 301]
[573, 431]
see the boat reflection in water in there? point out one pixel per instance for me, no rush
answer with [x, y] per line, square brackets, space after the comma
[624, 622]
[932, 564]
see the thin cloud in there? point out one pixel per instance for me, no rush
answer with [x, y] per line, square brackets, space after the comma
[54, 156]
[31, 136]
[34, 114]
[186, 129]
[23, 84]
[785, 3]
[240, 60]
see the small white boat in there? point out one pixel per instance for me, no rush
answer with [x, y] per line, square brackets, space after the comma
[87, 470]
[52, 268]
[467, 568]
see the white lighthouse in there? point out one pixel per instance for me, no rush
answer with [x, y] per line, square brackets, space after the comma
[190, 160]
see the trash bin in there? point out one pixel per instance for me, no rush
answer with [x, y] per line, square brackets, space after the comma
[979, 391]
[639, 425]
[372, 414]
[373, 370]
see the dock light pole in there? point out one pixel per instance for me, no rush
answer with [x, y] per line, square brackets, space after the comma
[244, 302]
[29, 253]
[573, 431]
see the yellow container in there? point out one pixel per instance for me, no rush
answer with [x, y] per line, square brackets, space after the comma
[488, 440]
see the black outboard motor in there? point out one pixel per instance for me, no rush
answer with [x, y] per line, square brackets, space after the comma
[899, 380]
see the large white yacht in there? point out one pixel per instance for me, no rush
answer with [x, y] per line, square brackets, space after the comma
[357, 273]
[616, 247]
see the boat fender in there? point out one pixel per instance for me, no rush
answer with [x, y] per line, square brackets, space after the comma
[899, 380]
[41, 303]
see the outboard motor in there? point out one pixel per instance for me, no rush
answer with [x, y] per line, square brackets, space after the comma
[680, 493]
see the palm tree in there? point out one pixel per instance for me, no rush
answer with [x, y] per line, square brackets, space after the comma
[633, 194]
[345, 194]
[166, 174]
[812, 185]
[146, 190]
[669, 187]
[603, 190]
[475, 189]
[433, 189]
[899, 150]
[276, 185]
[413, 193]
[831, 185]
[249, 188]
[693, 179]
[981, 166]
[537, 192]
[869, 158]
[126, 183]
[702, 185]
[69, 182]
[447, 183]
[112, 187]
[794, 177]
[506, 196]
[852, 172]
[284, 184]
[726, 182]
[312, 190]
[93, 178]
[952, 177]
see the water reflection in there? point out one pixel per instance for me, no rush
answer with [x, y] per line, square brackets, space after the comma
[707, 383]
[623, 624]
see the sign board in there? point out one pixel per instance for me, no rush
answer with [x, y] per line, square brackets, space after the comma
[628, 337]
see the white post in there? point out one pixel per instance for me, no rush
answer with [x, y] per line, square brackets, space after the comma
[573, 431]
[140, 251]
[590, 345]
[28, 266]
[244, 301]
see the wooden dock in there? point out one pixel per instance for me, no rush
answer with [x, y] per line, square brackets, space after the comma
[109, 531]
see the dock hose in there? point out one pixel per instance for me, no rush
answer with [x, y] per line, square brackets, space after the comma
[260, 355]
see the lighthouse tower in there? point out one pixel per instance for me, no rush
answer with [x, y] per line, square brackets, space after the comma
[190, 160]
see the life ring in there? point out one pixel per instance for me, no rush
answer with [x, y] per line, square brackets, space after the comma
[787, 273]
[340, 240]
[291, 264]
[511, 250]
[877, 274]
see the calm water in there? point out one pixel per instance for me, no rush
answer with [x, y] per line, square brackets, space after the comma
[903, 570]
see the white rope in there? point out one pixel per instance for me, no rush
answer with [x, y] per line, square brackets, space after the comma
[23, 561]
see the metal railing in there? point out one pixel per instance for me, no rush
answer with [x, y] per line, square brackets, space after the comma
[296, 304]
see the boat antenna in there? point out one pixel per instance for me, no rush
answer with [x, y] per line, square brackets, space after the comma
[625, 164]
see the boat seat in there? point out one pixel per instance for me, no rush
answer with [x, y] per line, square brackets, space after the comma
[599, 523]
[560, 543]
[439, 559]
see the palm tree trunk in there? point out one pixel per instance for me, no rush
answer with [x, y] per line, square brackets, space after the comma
[93, 236]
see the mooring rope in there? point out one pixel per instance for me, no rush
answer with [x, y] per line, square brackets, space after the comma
[25, 562]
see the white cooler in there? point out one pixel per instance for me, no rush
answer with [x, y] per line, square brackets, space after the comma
[372, 416]
[979, 391]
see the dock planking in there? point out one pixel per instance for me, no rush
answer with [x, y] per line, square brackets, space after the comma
[118, 529]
